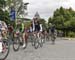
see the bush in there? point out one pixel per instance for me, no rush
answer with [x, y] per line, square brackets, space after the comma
[71, 34]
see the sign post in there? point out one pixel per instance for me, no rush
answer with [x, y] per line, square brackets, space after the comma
[12, 15]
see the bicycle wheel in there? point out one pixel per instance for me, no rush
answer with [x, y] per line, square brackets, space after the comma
[32, 40]
[16, 44]
[41, 41]
[53, 39]
[36, 43]
[44, 39]
[5, 49]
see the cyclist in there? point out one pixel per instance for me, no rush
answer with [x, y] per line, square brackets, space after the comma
[10, 29]
[20, 27]
[3, 33]
[52, 29]
[4, 30]
[53, 33]
[37, 27]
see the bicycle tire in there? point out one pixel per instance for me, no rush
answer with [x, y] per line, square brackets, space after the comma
[7, 43]
[14, 41]
[36, 43]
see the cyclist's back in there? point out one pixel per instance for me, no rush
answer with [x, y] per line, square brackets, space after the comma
[52, 29]
[37, 26]
[20, 26]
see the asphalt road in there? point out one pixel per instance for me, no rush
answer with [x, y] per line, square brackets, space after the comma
[62, 50]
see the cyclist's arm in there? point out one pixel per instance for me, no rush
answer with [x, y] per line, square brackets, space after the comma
[22, 27]
[40, 27]
[33, 25]
[5, 25]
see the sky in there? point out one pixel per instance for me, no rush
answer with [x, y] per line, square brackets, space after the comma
[45, 8]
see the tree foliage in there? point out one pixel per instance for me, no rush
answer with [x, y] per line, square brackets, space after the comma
[4, 15]
[5, 7]
[64, 19]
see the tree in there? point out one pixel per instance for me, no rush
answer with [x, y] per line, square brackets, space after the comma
[4, 15]
[2, 3]
[50, 20]
[63, 19]
[59, 21]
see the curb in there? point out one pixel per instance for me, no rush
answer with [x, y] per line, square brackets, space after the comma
[68, 38]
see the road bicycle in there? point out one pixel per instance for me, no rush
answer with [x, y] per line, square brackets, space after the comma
[18, 40]
[4, 47]
[37, 40]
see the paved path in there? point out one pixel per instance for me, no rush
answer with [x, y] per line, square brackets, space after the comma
[62, 50]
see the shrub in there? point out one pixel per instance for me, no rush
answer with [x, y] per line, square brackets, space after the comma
[71, 34]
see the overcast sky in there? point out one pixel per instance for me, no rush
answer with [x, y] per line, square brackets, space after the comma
[46, 7]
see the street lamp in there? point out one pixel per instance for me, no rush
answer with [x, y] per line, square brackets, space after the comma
[24, 9]
[25, 5]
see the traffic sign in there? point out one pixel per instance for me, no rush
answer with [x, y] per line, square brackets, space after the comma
[12, 15]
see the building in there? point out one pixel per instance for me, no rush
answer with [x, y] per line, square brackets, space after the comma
[36, 16]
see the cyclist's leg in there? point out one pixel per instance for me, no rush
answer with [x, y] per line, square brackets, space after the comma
[34, 33]
[38, 34]
[23, 37]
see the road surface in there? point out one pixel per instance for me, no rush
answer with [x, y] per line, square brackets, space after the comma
[62, 50]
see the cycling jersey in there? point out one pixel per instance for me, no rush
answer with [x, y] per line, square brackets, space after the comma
[53, 29]
[36, 27]
[3, 25]
[20, 27]
[3, 29]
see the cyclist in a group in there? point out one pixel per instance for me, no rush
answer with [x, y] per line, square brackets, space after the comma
[36, 26]
[53, 31]
[3, 33]
[10, 29]
[20, 26]
[3, 29]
